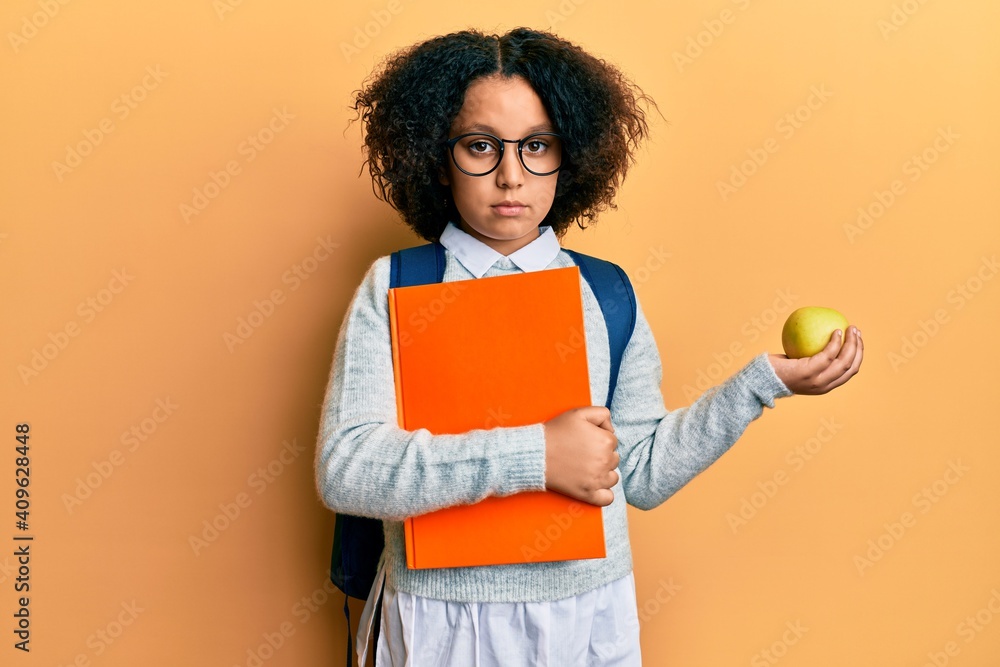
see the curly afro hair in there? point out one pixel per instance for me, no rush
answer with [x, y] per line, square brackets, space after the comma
[407, 107]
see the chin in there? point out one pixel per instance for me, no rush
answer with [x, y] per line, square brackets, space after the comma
[505, 228]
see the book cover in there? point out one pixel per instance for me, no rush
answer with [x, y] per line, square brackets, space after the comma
[494, 352]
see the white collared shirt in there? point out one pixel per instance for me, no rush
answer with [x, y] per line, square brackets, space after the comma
[478, 257]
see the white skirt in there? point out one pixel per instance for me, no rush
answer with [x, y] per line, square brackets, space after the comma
[598, 627]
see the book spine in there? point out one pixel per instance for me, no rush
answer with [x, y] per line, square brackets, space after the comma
[396, 374]
[411, 552]
[400, 417]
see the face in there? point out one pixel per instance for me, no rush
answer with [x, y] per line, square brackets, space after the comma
[510, 109]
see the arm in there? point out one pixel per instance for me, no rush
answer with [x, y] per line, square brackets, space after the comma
[662, 451]
[367, 466]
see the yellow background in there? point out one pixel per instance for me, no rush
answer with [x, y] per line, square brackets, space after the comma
[892, 78]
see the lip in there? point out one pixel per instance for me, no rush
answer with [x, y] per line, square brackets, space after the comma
[509, 208]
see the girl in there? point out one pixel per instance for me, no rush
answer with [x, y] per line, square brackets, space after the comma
[493, 146]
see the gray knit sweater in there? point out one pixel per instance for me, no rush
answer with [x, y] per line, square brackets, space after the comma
[367, 466]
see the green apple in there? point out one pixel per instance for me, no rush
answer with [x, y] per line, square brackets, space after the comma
[808, 330]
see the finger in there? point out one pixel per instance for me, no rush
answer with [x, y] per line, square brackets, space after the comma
[833, 346]
[850, 353]
[858, 356]
[850, 371]
[600, 415]
[840, 364]
[850, 344]
[602, 498]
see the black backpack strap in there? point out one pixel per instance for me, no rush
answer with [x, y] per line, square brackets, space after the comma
[616, 298]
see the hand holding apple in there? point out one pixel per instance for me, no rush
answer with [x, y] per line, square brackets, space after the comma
[808, 330]
[816, 361]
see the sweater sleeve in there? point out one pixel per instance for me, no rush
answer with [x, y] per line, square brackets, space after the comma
[366, 465]
[663, 450]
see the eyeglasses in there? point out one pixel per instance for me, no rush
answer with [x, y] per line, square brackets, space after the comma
[478, 154]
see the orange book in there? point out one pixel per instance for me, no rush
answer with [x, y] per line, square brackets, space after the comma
[484, 353]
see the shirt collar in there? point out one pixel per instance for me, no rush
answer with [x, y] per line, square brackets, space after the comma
[478, 257]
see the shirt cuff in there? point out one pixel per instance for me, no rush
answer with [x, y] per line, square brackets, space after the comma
[760, 377]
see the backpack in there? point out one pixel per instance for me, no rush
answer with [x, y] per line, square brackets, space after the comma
[358, 541]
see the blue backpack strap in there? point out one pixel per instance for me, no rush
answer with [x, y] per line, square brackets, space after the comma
[420, 265]
[617, 300]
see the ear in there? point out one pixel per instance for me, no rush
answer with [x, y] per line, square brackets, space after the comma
[443, 176]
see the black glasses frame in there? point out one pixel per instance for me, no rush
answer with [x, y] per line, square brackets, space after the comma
[500, 142]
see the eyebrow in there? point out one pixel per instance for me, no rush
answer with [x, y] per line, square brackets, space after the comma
[543, 127]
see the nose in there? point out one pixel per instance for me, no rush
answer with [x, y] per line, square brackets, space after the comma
[510, 173]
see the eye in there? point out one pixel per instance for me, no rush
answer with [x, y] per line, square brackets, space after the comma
[480, 146]
[536, 146]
